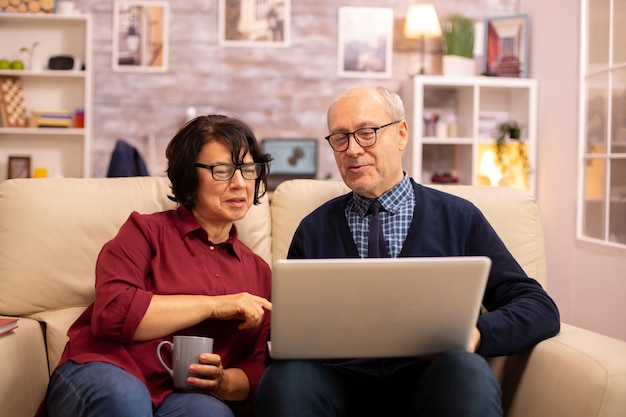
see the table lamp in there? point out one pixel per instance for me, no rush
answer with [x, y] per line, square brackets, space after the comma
[421, 22]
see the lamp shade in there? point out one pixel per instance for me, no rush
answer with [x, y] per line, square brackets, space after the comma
[421, 22]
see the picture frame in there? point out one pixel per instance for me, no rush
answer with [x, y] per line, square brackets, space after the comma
[140, 36]
[506, 46]
[365, 42]
[29, 6]
[18, 167]
[254, 23]
[292, 156]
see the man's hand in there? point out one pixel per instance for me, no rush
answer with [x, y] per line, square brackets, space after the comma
[475, 340]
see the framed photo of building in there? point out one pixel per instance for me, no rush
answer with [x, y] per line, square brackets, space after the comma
[263, 23]
[140, 36]
[365, 42]
[506, 46]
[18, 167]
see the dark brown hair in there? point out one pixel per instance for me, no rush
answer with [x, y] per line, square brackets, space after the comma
[183, 150]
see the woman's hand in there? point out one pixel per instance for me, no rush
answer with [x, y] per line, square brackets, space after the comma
[228, 384]
[168, 314]
[241, 306]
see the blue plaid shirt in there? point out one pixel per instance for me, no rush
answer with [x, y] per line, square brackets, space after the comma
[398, 203]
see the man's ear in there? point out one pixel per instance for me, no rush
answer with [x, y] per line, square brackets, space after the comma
[403, 135]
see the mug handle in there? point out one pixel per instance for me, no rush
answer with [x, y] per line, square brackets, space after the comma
[165, 342]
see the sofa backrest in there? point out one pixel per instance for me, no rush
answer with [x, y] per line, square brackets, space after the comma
[51, 231]
[512, 212]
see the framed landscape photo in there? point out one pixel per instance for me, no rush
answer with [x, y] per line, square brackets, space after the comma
[365, 41]
[506, 46]
[140, 36]
[18, 167]
[254, 23]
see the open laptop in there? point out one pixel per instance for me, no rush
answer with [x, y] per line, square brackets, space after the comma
[368, 308]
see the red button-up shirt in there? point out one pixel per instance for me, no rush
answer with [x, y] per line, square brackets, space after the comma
[169, 253]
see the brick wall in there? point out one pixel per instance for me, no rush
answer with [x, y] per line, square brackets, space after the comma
[280, 92]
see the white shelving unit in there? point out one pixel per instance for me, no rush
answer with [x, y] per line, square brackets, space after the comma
[468, 109]
[61, 151]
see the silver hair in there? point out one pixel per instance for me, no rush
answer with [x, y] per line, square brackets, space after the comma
[395, 106]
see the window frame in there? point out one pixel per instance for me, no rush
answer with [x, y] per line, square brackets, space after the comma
[608, 156]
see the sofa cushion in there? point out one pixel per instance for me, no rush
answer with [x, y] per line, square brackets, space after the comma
[23, 368]
[255, 230]
[586, 377]
[56, 323]
[523, 236]
[294, 199]
[51, 231]
[291, 202]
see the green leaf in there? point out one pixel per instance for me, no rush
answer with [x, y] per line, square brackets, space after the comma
[458, 36]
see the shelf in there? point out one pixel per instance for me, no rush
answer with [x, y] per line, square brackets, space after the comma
[51, 131]
[471, 107]
[40, 18]
[447, 141]
[44, 73]
[482, 81]
[61, 151]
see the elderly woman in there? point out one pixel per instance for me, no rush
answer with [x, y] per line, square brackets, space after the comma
[177, 272]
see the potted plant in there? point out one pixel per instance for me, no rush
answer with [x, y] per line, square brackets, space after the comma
[511, 149]
[458, 46]
[30, 51]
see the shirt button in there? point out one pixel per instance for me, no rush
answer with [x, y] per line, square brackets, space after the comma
[212, 247]
[217, 275]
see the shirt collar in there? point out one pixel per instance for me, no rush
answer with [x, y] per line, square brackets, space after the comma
[188, 225]
[391, 200]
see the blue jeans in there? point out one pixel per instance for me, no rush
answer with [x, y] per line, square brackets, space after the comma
[456, 384]
[99, 389]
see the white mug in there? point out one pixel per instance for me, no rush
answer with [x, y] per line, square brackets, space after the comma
[185, 351]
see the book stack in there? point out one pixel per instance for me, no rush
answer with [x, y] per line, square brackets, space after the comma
[52, 118]
[7, 324]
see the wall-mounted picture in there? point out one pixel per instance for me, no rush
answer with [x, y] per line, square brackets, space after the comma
[263, 23]
[506, 46]
[18, 167]
[293, 158]
[28, 6]
[365, 41]
[140, 36]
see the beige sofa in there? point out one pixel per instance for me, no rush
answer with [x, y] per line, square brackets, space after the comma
[52, 229]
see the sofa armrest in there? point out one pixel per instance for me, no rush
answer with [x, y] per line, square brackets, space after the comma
[23, 369]
[577, 373]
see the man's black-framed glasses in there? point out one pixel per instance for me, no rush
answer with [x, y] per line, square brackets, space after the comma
[365, 136]
[224, 172]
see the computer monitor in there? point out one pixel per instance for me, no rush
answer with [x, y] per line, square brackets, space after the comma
[293, 159]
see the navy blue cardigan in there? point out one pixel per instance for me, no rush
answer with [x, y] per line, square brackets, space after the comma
[521, 313]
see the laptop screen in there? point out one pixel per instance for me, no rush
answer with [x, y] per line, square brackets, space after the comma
[293, 158]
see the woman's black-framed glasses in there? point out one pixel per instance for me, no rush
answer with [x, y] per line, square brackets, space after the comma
[365, 136]
[224, 172]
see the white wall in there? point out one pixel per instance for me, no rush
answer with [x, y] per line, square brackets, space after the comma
[587, 281]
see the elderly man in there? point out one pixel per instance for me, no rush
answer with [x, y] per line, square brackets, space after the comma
[368, 135]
